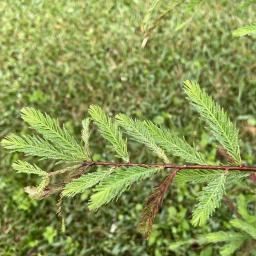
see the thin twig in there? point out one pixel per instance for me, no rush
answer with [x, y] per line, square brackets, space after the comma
[62, 171]
[174, 166]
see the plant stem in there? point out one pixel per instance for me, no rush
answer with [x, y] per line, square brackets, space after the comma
[174, 166]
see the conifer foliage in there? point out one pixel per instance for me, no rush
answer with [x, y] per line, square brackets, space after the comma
[54, 141]
[239, 234]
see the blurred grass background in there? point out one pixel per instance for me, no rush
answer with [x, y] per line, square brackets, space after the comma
[61, 56]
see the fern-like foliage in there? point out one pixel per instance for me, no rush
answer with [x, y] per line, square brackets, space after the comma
[172, 144]
[218, 121]
[50, 129]
[176, 146]
[241, 232]
[209, 199]
[139, 132]
[196, 176]
[114, 185]
[56, 142]
[245, 30]
[25, 167]
[85, 137]
[110, 131]
[85, 182]
[34, 146]
[203, 176]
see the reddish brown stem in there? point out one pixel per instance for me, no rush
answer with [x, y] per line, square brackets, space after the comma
[174, 166]
[153, 204]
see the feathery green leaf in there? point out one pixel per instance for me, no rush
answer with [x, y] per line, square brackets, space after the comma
[171, 143]
[174, 145]
[196, 176]
[110, 131]
[34, 146]
[25, 167]
[85, 182]
[234, 176]
[218, 121]
[86, 136]
[139, 132]
[201, 176]
[114, 185]
[50, 129]
[209, 199]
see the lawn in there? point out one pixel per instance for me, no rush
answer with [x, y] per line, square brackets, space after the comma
[61, 56]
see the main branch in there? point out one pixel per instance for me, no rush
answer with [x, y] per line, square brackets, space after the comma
[174, 166]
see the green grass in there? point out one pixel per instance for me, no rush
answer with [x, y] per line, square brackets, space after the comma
[62, 56]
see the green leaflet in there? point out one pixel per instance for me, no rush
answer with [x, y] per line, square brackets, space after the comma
[176, 146]
[138, 131]
[172, 144]
[25, 167]
[85, 182]
[209, 199]
[196, 176]
[34, 146]
[50, 129]
[217, 120]
[114, 185]
[85, 136]
[110, 131]
[201, 176]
